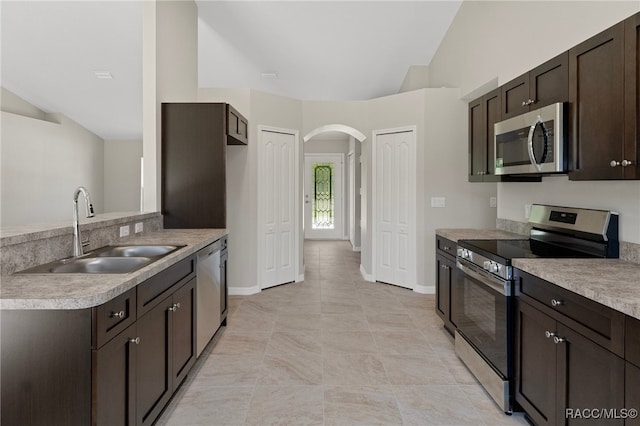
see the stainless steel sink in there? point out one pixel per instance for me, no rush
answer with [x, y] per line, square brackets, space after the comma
[107, 260]
[135, 251]
[101, 265]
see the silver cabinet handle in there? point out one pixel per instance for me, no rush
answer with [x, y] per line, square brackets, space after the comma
[524, 103]
[626, 163]
[549, 334]
[614, 163]
[528, 102]
[117, 314]
[557, 340]
[135, 340]
[175, 307]
[555, 302]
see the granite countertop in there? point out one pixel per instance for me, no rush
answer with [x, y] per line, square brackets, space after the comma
[611, 282]
[79, 291]
[478, 234]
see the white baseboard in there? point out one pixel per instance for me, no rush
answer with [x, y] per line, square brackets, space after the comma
[364, 274]
[425, 289]
[244, 291]
[300, 278]
[356, 248]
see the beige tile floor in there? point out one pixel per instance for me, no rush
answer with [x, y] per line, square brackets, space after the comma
[332, 350]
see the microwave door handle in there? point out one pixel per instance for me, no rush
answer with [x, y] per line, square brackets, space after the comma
[532, 157]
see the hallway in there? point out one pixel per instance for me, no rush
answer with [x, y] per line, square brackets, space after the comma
[331, 350]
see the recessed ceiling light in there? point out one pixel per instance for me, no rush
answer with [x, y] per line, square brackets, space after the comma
[269, 75]
[104, 75]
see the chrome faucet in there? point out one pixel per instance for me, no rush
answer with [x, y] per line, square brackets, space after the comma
[78, 244]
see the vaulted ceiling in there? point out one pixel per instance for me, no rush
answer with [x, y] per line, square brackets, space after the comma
[316, 50]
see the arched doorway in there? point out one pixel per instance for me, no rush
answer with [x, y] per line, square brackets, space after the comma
[332, 183]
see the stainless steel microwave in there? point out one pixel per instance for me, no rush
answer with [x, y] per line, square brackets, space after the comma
[532, 143]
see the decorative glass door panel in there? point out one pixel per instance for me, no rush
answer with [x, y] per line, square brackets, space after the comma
[323, 203]
[323, 197]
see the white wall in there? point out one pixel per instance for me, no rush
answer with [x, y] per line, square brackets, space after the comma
[170, 74]
[242, 179]
[122, 175]
[489, 39]
[42, 163]
[486, 40]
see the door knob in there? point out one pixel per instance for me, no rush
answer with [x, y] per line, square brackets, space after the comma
[626, 163]
[614, 163]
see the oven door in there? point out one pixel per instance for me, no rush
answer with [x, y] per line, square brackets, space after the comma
[483, 304]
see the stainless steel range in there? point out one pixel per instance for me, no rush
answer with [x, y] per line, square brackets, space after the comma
[483, 292]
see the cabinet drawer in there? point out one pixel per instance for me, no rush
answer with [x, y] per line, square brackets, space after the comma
[601, 324]
[153, 290]
[446, 246]
[112, 317]
[632, 340]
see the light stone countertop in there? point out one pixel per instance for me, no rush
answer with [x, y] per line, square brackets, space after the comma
[478, 234]
[611, 282]
[79, 291]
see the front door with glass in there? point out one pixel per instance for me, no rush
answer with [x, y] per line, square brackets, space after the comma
[323, 204]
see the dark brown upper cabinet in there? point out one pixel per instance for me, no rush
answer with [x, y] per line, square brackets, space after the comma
[484, 112]
[632, 97]
[194, 161]
[596, 109]
[544, 85]
[237, 127]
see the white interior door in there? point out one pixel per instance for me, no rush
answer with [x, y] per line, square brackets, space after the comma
[277, 209]
[323, 196]
[395, 207]
[352, 199]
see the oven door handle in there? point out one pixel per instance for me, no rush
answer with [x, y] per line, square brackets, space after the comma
[501, 286]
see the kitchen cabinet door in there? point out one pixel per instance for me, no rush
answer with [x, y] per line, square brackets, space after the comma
[632, 392]
[224, 291]
[515, 95]
[549, 82]
[237, 127]
[443, 291]
[114, 380]
[484, 112]
[589, 376]
[544, 85]
[194, 158]
[183, 342]
[536, 388]
[632, 97]
[477, 140]
[596, 109]
[154, 385]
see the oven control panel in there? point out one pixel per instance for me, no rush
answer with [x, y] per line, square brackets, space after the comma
[488, 265]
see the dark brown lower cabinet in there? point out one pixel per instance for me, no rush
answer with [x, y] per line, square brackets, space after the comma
[110, 365]
[166, 351]
[591, 378]
[153, 376]
[114, 380]
[46, 367]
[632, 392]
[445, 267]
[535, 364]
[561, 376]
[183, 342]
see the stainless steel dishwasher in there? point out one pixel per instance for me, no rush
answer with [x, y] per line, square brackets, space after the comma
[208, 294]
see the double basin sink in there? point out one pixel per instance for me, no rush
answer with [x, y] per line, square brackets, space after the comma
[107, 260]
